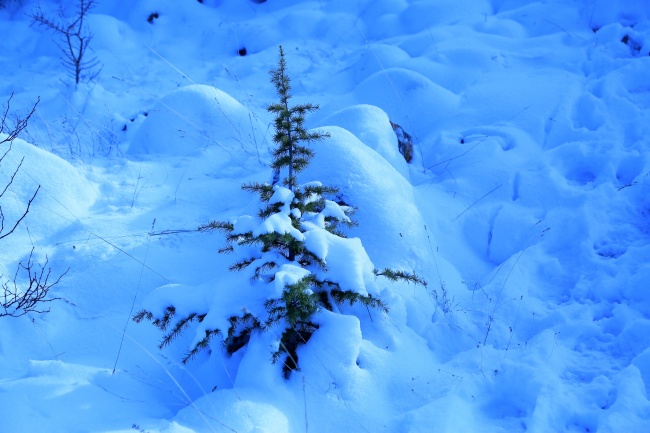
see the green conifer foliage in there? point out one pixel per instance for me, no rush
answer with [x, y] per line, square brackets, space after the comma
[290, 133]
[281, 249]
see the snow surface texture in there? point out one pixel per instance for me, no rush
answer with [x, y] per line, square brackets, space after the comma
[526, 207]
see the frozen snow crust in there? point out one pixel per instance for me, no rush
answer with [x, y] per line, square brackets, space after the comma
[526, 207]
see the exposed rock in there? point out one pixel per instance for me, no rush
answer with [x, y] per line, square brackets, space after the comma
[404, 142]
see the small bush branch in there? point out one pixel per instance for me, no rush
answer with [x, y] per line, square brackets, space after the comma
[19, 124]
[21, 218]
[75, 40]
[17, 301]
[442, 299]
[29, 289]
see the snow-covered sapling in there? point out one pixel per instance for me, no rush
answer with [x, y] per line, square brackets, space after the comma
[294, 251]
[75, 39]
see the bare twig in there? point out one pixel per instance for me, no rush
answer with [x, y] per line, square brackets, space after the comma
[476, 201]
[19, 220]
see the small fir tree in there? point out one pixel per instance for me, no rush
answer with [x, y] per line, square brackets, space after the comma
[287, 248]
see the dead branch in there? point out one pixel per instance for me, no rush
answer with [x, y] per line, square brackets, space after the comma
[17, 301]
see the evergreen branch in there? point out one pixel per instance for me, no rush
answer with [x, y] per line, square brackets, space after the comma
[304, 151]
[334, 222]
[275, 312]
[142, 315]
[320, 190]
[307, 258]
[240, 330]
[394, 275]
[281, 162]
[275, 108]
[335, 231]
[249, 239]
[302, 109]
[264, 190]
[322, 283]
[241, 238]
[226, 250]
[239, 321]
[299, 300]
[179, 328]
[162, 322]
[270, 210]
[292, 338]
[314, 206]
[265, 267]
[221, 226]
[324, 299]
[284, 243]
[201, 345]
[340, 296]
[241, 264]
[300, 164]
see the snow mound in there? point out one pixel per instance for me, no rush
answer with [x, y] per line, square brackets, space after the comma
[337, 344]
[243, 412]
[197, 117]
[406, 95]
[347, 261]
[52, 388]
[384, 200]
[371, 126]
[64, 195]
[605, 12]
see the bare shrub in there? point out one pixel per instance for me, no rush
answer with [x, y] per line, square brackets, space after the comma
[75, 39]
[30, 286]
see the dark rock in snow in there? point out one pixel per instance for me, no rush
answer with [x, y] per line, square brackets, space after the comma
[404, 142]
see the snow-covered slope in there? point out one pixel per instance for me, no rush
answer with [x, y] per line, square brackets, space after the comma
[526, 206]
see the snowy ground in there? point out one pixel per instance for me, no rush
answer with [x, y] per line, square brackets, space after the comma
[527, 200]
